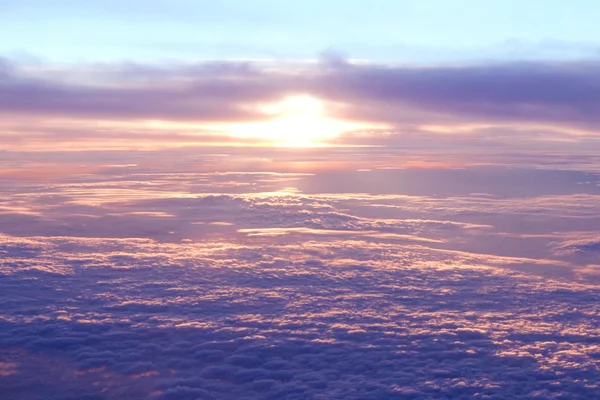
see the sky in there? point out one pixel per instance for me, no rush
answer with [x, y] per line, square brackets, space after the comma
[299, 200]
[387, 31]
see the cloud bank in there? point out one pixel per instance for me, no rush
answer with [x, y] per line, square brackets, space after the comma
[535, 100]
[143, 281]
[168, 260]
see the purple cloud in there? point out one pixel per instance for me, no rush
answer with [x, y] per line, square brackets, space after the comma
[567, 94]
[563, 93]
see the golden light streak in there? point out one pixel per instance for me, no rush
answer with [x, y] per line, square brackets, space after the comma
[299, 121]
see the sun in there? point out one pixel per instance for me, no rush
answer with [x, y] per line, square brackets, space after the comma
[297, 121]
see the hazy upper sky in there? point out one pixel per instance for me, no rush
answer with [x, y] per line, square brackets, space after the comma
[379, 30]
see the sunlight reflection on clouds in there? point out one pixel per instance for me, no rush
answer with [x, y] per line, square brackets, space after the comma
[175, 283]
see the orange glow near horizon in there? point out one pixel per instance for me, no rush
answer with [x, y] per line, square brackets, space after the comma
[299, 121]
[296, 121]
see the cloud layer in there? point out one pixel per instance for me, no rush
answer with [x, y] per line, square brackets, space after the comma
[455, 258]
[534, 101]
[173, 275]
[141, 319]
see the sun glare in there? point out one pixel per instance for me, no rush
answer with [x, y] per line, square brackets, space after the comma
[298, 121]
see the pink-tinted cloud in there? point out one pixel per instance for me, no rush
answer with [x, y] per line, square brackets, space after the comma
[514, 95]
